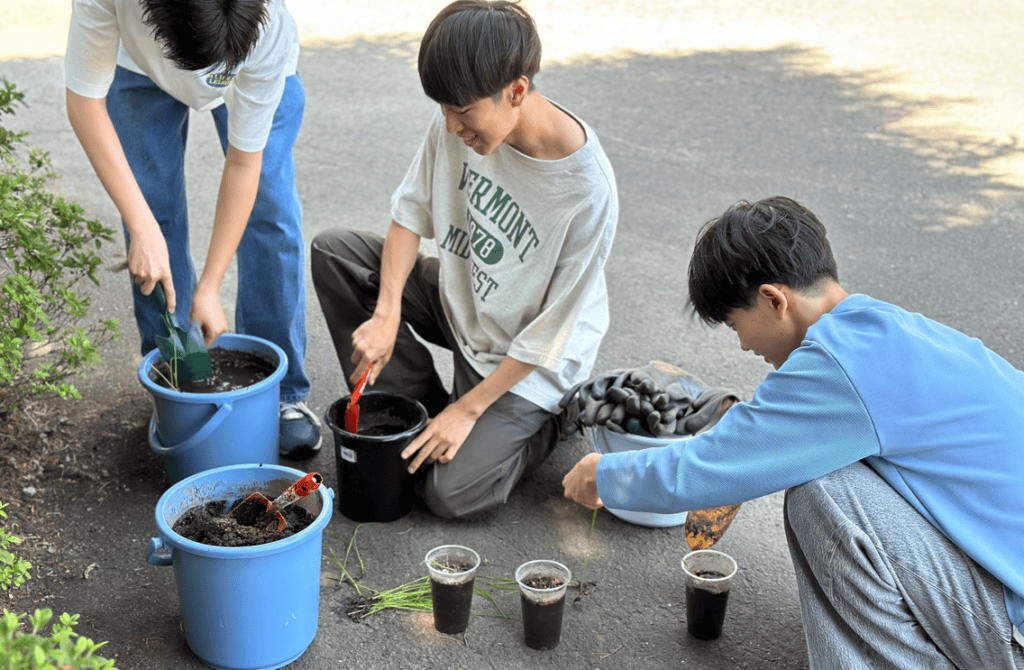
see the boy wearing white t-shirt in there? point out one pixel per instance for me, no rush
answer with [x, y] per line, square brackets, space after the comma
[134, 68]
[522, 203]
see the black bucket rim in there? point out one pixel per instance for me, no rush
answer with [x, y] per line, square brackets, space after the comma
[418, 426]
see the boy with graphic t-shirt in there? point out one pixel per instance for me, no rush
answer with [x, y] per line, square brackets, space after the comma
[133, 69]
[521, 200]
[898, 439]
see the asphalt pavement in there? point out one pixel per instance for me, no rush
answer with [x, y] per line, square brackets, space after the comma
[913, 172]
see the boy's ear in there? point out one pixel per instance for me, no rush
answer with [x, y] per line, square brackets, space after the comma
[774, 298]
[520, 87]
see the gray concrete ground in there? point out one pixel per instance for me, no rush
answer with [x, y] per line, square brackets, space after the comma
[891, 122]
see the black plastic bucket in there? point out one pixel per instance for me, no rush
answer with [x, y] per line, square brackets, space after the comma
[373, 479]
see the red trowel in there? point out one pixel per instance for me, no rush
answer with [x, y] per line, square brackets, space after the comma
[352, 409]
[257, 509]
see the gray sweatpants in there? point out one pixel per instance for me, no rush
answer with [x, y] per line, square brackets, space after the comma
[880, 587]
[512, 436]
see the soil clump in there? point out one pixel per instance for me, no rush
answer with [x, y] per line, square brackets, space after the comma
[210, 524]
[543, 582]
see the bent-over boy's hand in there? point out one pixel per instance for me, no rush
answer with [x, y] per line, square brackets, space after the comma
[148, 263]
[581, 482]
[207, 310]
[442, 437]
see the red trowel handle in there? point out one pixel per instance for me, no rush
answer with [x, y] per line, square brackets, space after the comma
[352, 410]
[298, 490]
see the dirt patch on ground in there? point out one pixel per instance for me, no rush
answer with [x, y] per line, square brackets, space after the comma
[56, 454]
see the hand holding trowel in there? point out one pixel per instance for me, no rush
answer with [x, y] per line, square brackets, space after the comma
[257, 508]
[184, 350]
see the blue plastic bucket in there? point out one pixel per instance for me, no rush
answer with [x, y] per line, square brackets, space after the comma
[200, 431]
[244, 608]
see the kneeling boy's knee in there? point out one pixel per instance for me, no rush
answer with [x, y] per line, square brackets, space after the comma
[450, 499]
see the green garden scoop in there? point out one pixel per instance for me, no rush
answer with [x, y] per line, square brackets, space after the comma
[184, 350]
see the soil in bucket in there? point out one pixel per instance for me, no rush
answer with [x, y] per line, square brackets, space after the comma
[233, 369]
[210, 524]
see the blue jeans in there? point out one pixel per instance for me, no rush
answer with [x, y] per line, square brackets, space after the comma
[880, 587]
[271, 300]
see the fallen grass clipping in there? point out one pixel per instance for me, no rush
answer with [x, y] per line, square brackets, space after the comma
[412, 596]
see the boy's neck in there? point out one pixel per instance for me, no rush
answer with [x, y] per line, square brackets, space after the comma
[544, 131]
[810, 308]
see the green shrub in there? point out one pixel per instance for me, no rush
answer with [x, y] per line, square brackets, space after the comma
[13, 570]
[46, 248]
[63, 649]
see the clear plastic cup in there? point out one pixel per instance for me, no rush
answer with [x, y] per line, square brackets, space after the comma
[543, 604]
[708, 575]
[452, 574]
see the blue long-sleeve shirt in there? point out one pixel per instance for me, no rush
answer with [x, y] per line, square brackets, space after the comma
[938, 415]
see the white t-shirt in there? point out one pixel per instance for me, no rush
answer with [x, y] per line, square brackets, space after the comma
[106, 33]
[522, 245]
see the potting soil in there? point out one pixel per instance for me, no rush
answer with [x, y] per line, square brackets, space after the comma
[452, 566]
[543, 582]
[209, 524]
[232, 369]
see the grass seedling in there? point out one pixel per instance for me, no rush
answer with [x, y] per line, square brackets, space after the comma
[172, 383]
[172, 364]
[593, 521]
[343, 564]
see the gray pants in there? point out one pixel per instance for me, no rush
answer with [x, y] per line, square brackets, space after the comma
[880, 587]
[512, 436]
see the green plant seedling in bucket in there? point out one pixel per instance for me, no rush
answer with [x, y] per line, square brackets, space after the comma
[194, 432]
[184, 350]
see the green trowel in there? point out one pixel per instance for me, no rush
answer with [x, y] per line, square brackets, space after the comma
[184, 350]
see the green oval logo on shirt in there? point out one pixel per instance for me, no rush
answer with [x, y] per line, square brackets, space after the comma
[487, 247]
[219, 80]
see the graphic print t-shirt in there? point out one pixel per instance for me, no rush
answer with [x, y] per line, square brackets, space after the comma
[522, 245]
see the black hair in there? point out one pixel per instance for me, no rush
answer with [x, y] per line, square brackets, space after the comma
[475, 48]
[771, 241]
[203, 35]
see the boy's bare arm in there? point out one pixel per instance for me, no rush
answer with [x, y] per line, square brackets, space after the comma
[374, 341]
[147, 258]
[239, 184]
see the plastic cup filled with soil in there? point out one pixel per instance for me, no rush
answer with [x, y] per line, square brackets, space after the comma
[452, 574]
[708, 575]
[542, 587]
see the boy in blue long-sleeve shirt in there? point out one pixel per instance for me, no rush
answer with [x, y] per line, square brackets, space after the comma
[899, 441]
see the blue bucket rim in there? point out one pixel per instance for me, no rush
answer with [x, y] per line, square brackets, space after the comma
[376, 438]
[197, 548]
[224, 341]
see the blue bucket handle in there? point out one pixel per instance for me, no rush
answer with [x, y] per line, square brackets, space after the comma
[155, 552]
[198, 437]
